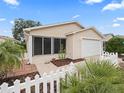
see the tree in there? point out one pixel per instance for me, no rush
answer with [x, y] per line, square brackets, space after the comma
[19, 25]
[115, 44]
[11, 54]
[95, 77]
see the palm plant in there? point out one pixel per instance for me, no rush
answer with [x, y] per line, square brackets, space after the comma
[95, 77]
[10, 57]
[62, 52]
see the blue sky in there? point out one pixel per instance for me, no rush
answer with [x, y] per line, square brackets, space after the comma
[106, 15]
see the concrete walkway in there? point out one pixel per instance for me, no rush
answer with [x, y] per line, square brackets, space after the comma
[42, 67]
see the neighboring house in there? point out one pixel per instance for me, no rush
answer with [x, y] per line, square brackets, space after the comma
[3, 38]
[43, 42]
[120, 36]
[108, 36]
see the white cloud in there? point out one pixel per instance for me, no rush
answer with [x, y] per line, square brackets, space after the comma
[116, 25]
[76, 16]
[114, 6]
[93, 1]
[2, 19]
[12, 22]
[11, 2]
[118, 19]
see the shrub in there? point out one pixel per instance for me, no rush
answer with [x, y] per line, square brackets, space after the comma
[115, 44]
[95, 77]
[62, 53]
[10, 57]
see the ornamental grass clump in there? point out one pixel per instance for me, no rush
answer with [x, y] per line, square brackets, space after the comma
[62, 53]
[95, 77]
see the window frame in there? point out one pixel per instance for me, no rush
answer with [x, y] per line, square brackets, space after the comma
[54, 47]
[33, 40]
[59, 43]
[52, 44]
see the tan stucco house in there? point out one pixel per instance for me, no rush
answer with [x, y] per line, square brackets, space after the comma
[43, 42]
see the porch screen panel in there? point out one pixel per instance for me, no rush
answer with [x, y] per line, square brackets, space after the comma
[56, 45]
[63, 44]
[37, 46]
[47, 45]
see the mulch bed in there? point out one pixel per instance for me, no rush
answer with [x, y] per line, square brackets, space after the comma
[10, 80]
[121, 65]
[62, 62]
[121, 56]
[26, 70]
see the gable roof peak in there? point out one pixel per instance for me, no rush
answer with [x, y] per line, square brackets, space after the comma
[52, 25]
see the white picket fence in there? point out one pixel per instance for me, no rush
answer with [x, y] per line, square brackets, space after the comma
[113, 57]
[45, 79]
[49, 78]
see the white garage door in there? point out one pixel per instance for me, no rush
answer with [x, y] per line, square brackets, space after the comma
[90, 47]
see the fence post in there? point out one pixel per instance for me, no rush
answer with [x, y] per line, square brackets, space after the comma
[58, 81]
[44, 82]
[17, 86]
[28, 86]
[51, 83]
[37, 85]
[4, 88]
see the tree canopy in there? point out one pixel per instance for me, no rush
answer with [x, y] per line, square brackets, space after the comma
[115, 44]
[19, 25]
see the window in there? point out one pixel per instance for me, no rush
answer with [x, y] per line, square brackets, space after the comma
[37, 50]
[58, 44]
[63, 44]
[47, 45]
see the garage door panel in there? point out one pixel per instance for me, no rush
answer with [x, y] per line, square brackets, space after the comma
[90, 47]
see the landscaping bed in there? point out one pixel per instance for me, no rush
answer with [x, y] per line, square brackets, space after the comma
[26, 70]
[121, 56]
[62, 62]
[10, 80]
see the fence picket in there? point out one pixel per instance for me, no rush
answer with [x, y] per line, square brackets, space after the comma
[37, 84]
[4, 88]
[51, 83]
[28, 85]
[45, 83]
[113, 57]
[17, 86]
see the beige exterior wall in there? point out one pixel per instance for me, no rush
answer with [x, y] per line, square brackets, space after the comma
[69, 46]
[90, 34]
[56, 31]
[75, 50]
